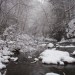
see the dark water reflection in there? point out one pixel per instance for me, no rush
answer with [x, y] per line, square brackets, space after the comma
[25, 67]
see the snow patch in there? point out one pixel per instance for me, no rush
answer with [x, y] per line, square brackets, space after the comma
[5, 55]
[36, 59]
[14, 58]
[50, 45]
[2, 42]
[73, 53]
[43, 45]
[68, 46]
[52, 73]
[2, 66]
[29, 57]
[53, 56]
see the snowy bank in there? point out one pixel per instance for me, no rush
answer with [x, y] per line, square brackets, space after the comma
[5, 56]
[53, 56]
[68, 46]
[50, 45]
[73, 53]
[52, 73]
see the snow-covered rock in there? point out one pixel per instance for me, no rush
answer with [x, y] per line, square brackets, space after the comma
[52, 73]
[14, 58]
[5, 52]
[36, 59]
[2, 42]
[5, 59]
[43, 45]
[68, 46]
[1, 59]
[51, 56]
[50, 45]
[26, 43]
[29, 57]
[2, 66]
[50, 40]
[74, 52]
[5, 48]
[68, 59]
[11, 42]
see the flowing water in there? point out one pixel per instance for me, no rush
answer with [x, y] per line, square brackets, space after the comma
[24, 66]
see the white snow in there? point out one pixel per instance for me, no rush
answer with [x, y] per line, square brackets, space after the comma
[5, 52]
[50, 45]
[63, 41]
[36, 59]
[73, 53]
[5, 55]
[50, 39]
[14, 58]
[68, 59]
[52, 73]
[43, 45]
[33, 62]
[11, 42]
[29, 57]
[2, 66]
[52, 56]
[1, 59]
[68, 46]
[41, 1]
[2, 42]
[5, 59]
[26, 43]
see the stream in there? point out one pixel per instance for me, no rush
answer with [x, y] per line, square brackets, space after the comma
[25, 66]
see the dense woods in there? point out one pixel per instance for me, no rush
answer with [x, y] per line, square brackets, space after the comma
[48, 18]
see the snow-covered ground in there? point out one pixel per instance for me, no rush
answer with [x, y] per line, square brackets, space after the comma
[5, 54]
[68, 46]
[73, 53]
[53, 56]
[52, 73]
[50, 45]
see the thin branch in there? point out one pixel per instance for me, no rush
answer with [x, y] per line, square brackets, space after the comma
[70, 8]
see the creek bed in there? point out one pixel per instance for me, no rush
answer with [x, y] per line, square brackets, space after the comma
[24, 67]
